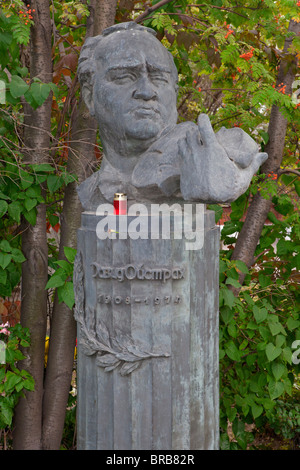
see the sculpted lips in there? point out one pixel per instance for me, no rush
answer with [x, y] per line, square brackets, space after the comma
[144, 112]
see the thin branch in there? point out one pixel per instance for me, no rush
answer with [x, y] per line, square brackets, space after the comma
[224, 8]
[219, 8]
[225, 119]
[151, 9]
[258, 256]
[182, 15]
[288, 170]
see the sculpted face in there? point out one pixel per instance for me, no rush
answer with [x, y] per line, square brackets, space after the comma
[134, 91]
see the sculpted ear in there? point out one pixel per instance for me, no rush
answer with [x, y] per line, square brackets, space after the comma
[87, 94]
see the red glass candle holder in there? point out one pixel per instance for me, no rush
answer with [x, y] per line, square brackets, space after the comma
[120, 204]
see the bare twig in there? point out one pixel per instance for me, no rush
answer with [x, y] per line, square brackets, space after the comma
[151, 9]
[258, 256]
[288, 170]
[224, 8]
[225, 119]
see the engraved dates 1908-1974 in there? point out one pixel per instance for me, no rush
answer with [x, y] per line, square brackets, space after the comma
[128, 300]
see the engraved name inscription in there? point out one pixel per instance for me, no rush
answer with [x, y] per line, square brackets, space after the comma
[131, 272]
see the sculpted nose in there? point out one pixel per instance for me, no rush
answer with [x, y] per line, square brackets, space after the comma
[144, 90]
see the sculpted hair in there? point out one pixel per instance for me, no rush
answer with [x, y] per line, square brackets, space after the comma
[87, 63]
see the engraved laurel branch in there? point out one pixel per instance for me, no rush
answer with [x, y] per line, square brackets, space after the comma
[113, 350]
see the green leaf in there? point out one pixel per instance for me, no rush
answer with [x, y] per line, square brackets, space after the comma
[33, 192]
[3, 276]
[264, 332]
[278, 370]
[23, 71]
[260, 314]
[26, 179]
[17, 255]
[5, 246]
[272, 351]
[231, 414]
[228, 297]
[30, 203]
[19, 386]
[5, 259]
[275, 327]
[30, 216]
[67, 267]
[56, 280]
[4, 196]
[54, 182]
[39, 92]
[248, 299]
[42, 167]
[254, 386]
[241, 266]
[243, 344]
[17, 86]
[67, 294]
[287, 354]
[283, 247]
[218, 210]
[29, 384]
[238, 428]
[53, 219]
[3, 208]
[14, 210]
[6, 413]
[28, 381]
[69, 177]
[233, 282]
[232, 330]
[297, 187]
[70, 253]
[256, 410]
[232, 351]
[264, 281]
[292, 324]
[229, 228]
[265, 136]
[272, 218]
[275, 389]
[230, 54]
[280, 340]
[11, 380]
[226, 314]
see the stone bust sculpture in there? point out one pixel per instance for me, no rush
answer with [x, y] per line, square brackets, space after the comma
[129, 83]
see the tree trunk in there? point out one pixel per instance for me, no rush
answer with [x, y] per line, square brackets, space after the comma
[257, 213]
[28, 415]
[104, 14]
[81, 160]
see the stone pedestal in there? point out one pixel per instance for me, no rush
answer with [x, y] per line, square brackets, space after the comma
[148, 367]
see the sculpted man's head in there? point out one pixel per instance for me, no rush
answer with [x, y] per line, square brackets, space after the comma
[129, 83]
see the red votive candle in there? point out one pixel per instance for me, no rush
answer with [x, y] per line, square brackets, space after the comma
[120, 204]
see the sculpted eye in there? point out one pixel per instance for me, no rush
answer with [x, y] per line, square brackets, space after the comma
[159, 78]
[123, 77]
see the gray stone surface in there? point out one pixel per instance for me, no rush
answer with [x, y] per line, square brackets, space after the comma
[129, 83]
[147, 309]
[147, 313]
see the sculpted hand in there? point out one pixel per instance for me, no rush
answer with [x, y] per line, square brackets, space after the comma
[217, 167]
